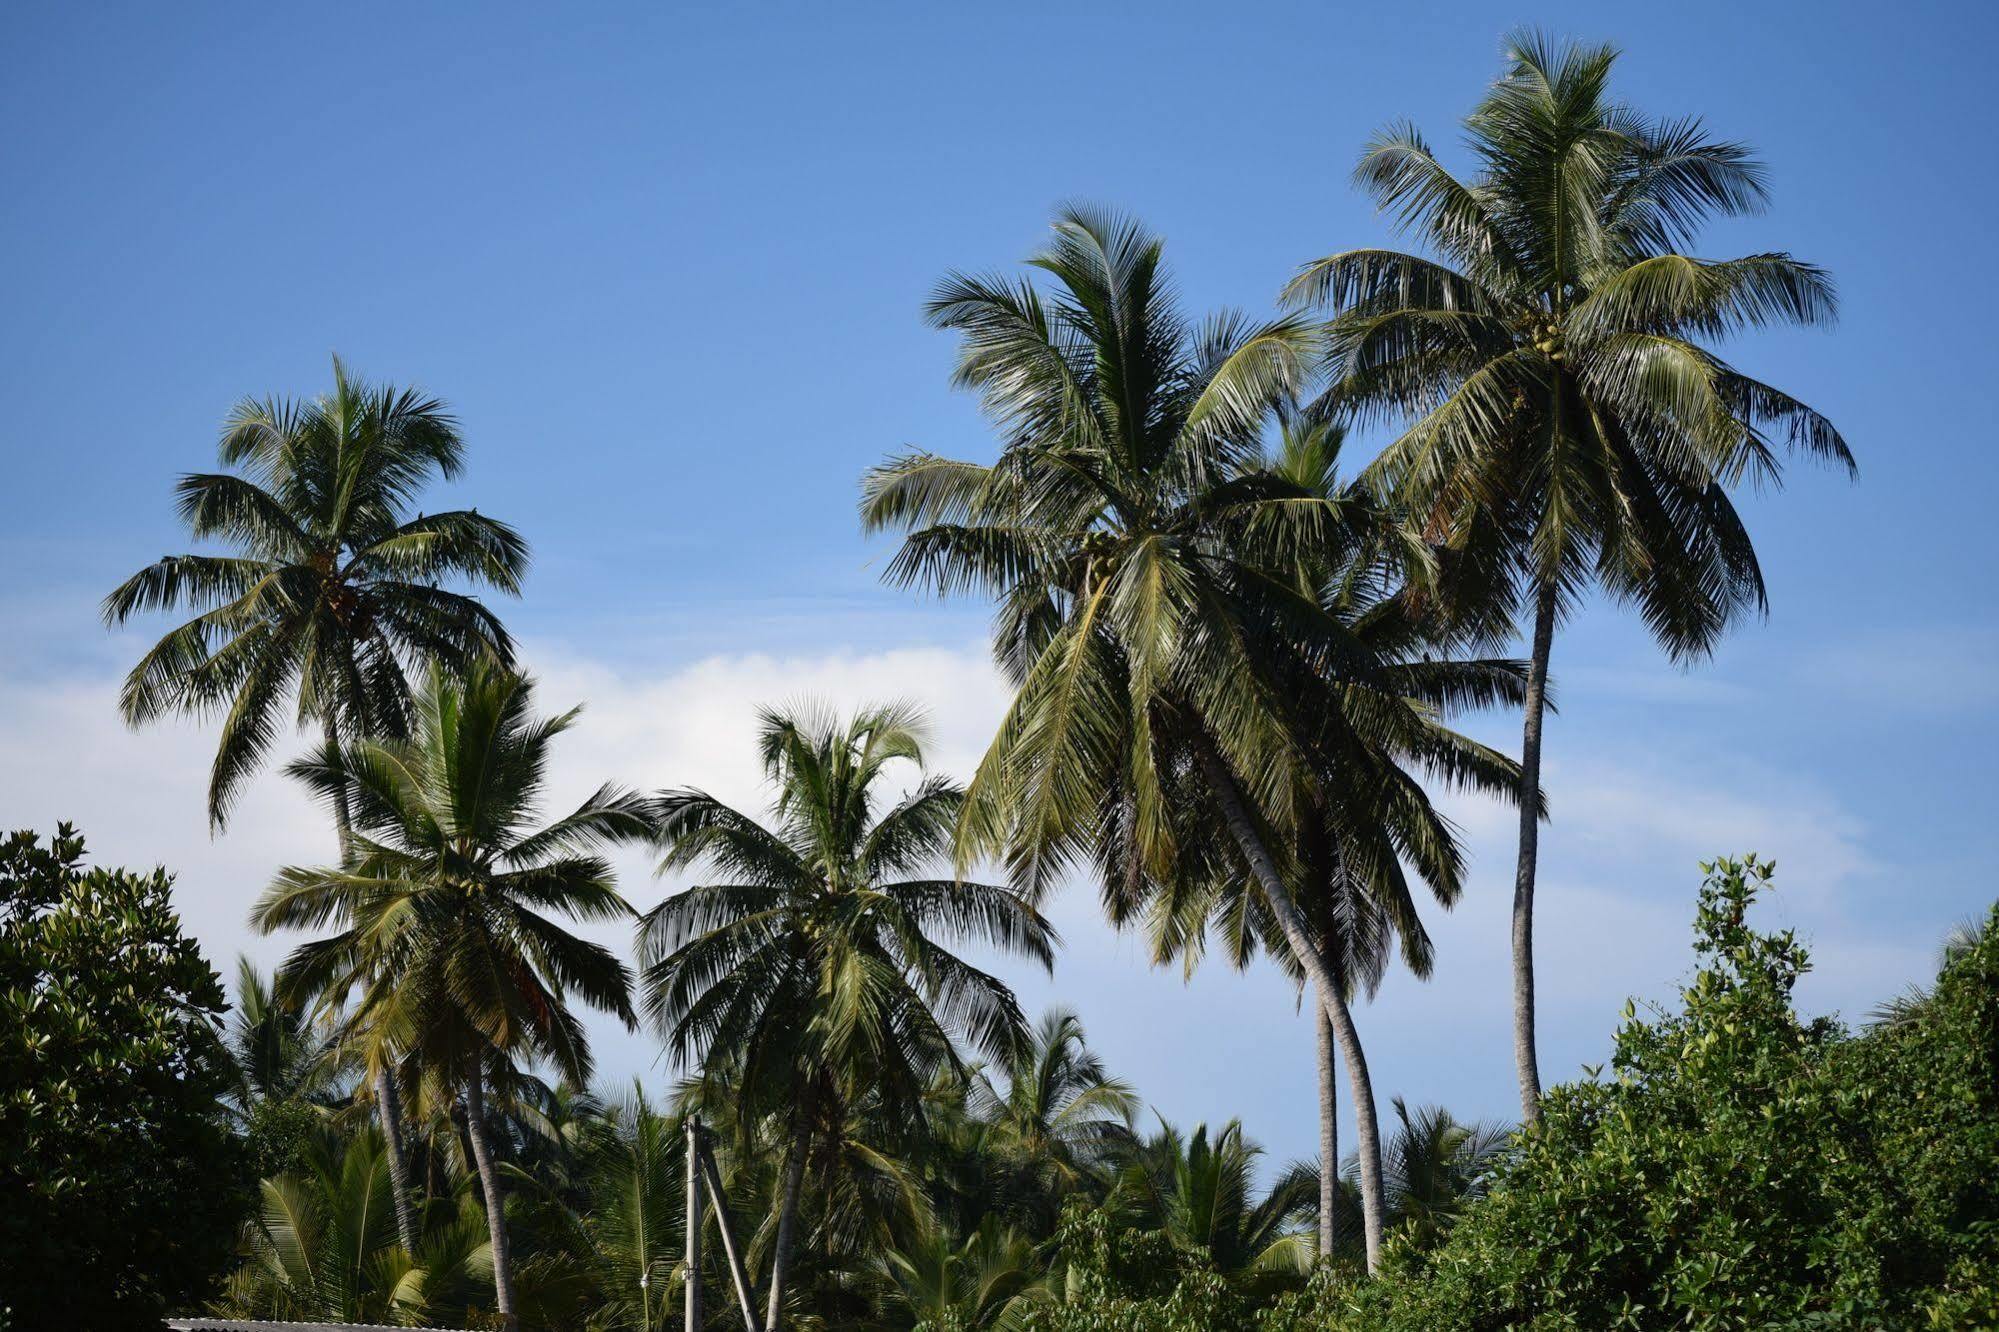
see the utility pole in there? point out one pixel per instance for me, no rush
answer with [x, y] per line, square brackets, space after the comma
[693, 1278]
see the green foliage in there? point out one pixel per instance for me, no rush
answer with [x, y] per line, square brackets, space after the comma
[278, 1134]
[120, 1183]
[1122, 1279]
[1741, 1168]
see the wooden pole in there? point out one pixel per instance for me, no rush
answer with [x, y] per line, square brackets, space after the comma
[692, 1282]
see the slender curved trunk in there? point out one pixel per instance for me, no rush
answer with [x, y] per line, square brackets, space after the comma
[1329, 1135]
[489, 1184]
[1367, 1128]
[1524, 1058]
[1325, 986]
[787, 1221]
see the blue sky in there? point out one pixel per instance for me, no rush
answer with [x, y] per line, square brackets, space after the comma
[666, 265]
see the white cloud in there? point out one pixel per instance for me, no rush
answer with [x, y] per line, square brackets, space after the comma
[1614, 908]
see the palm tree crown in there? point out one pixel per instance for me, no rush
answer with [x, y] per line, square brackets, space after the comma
[335, 589]
[1567, 424]
[1110, 532]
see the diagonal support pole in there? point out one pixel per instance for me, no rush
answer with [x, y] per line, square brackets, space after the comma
[746, 1295]
[692, 1282]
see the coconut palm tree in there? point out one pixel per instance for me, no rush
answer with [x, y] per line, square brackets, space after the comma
[334, 588]
[1564, 424]
[1114, 531]
[1369, 746]
[1436, 1165]
[448, 939]
[991, 1280]
[1199, 1190]
[1169, 601]
[811, 968]
[1055, 1118]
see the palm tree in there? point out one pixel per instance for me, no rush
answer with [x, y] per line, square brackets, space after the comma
[334, 591]
[632, 1215]
[337, 586]
[1565, 426]
[1164, 597]
[322, 1247]
[992, 1280]
[1366, 813]
[1113, 532]
[810, 969]
[1199, 1191]
[280, 1054]
[447, 933]
[1913, 1004]
[1058, 1116]
[1437, 1164]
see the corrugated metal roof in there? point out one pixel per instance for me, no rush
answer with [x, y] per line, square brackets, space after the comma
[254, 1325]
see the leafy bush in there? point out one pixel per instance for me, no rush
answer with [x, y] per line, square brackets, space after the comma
[1740, 1168]
[121, 1186]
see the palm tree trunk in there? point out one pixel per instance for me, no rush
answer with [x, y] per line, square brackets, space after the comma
[787, 1222]
[1325, 986]
[1329, 1136]
[388, 1110]
[1373, 1202]
[489, 1184]
[1524, 1058]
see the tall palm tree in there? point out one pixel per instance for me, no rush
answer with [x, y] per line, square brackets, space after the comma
[335, 588]
[1111, 531]
[1167, 599]
[447, 934]
[810, 968]
[1369, 745]
[1565, 426]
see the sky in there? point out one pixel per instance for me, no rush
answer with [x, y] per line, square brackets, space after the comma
[666, 264]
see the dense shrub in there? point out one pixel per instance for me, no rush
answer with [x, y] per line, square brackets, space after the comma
[121, 1186]
[1738, 1168]
[1741, 1168]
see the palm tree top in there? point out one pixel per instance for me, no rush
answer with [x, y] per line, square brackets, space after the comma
[447, 914]
[1564, 420]
[334, 588]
